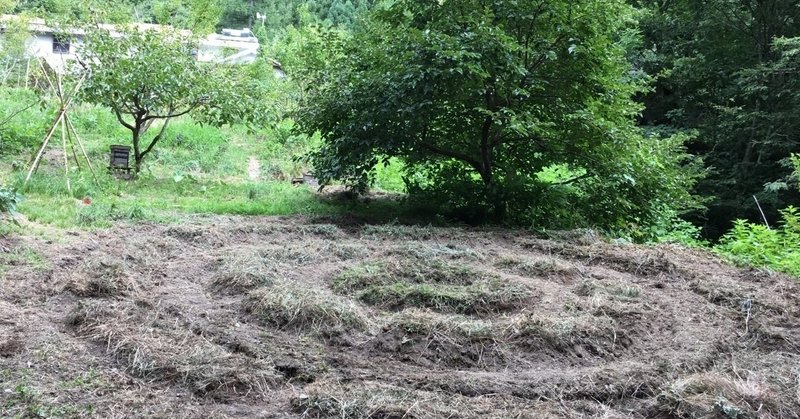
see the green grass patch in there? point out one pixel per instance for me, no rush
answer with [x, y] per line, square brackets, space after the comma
[413, 272]
[491, 296]
[47, 201]
[23, 255]
[389, 177]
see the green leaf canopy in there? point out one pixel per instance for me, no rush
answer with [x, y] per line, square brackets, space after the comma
[478, 97]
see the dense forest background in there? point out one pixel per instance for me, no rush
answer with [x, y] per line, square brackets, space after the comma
[727, 71]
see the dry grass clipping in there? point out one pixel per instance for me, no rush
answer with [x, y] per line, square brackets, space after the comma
[153, 346]
[327, 399]
[431, 339]
[291, 306]
[420, 321]
[241, 270]
[487, 297]
[431, 284]
[536, 267]
[596, 335]
[714, 395]
[104, 276]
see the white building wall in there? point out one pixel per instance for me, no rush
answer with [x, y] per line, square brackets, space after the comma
[233, 47]
[41, 46]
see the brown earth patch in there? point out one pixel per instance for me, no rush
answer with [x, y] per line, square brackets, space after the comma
[332, 317]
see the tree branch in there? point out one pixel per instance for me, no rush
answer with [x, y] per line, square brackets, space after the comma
[575, 179]
[3, 122]
[122, 120]
[453, 154]
[156, 138]
[174, 115]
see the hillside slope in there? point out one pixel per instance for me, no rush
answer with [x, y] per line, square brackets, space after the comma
[292, 317]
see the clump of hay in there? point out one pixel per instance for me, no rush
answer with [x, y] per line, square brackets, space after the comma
[714, 395]
[292, 306]
[430, 284]
[485, 297]
[428, 251]
[418, 272]
[591, 288]
[373, 399]
[412, 232]
[428, 338]
[103, 276]
[594, 335]
[329, 231]
[241, 270]
[426, 322]
[347, 251]
[541, 267]
[150, 346]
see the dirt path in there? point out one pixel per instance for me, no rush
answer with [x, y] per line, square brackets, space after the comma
[253, 168]
[297, 317]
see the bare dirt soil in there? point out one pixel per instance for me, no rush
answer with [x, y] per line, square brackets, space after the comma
[331, 317]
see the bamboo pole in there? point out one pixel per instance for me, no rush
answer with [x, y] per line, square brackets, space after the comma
[35, 163]
[47, 76]
[66, 156]
[27, 71]
[65, 103]
[59, 79]
[72, 144]
[80, 145]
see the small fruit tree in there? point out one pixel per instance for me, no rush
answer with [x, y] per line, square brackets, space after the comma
[152, 76]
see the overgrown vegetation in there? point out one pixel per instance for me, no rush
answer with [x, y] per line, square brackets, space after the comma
[759, 245]
[727, 70]
[9, 199]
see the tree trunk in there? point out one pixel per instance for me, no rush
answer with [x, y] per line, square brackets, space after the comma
[137, 150]
[495, 195]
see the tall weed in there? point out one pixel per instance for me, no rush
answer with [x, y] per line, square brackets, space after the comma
[757, 245]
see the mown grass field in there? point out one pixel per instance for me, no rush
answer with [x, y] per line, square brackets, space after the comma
[332, 317]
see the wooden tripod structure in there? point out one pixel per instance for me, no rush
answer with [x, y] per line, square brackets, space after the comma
[62, 120]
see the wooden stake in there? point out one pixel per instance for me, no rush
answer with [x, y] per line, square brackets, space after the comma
[72, 145]
[66, 156]
[35, 163]
[80, 145]
[65, 103]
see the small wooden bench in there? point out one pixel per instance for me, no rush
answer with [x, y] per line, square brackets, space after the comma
[119, 164]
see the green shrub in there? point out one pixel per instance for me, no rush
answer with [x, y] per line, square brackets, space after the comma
[757, 245]
[22, 122]
[9, 198]
[389, 176]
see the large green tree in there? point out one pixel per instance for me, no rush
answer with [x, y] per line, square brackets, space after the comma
[479, 96]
